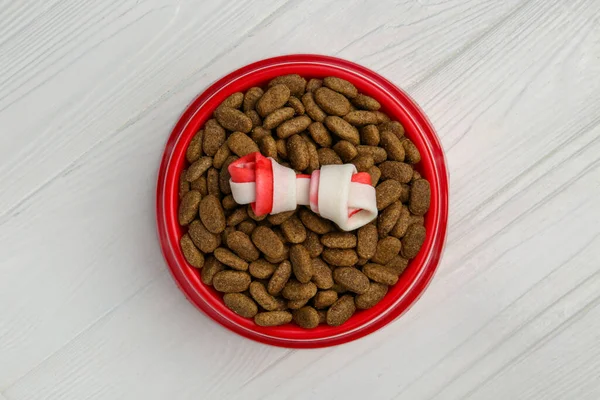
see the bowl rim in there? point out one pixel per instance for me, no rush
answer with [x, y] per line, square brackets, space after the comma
[421, 130]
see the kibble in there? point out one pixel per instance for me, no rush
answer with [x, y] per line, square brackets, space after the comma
[325, 298]
[392, 145]
[341, 311]
[413, 240]
[312, 109]
[212, 214]
[379, 155]
[220, 156]
[240, 304]
[206, 241]
[419, 199]
[301, 263]
[343, 129]
[188, 209]
[191, 253]
[345, 150]
[279, 278]
[340, 257]
[251, 98]
[241, 245]
[231, 281]
[264, 299]
[214, 137]
[388, 218]
[381, 274]
[278, 116]
[228, 258]
[298, 153]
[194, 150]
[360, 118]
[387, 248]
[331, 102]
[306, 317]
[313, 244]
[293, 126]
[297, 105]
[313, 85]
[341, 86]
[352, 279]
[261, 269]
[372, 296]
[293, 230]
[272, 99]
[295, 290]
[254, 117]
[339, 240]
[319, 134]
[314, 222]
[366, 103]
[328, 157]
[273, 318]
[369, 135]
[241, 144]
[294, 82]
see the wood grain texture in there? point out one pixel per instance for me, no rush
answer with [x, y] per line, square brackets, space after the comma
[512, 89]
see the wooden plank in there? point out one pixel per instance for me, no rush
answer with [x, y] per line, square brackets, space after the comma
[87, 214]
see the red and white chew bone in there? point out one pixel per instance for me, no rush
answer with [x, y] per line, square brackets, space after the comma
[336, 192]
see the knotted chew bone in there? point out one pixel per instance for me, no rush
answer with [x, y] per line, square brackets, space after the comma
[336, 192]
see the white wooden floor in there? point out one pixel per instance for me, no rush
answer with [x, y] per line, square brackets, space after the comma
[89, 90]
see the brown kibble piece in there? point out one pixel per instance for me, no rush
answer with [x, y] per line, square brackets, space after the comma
[369, 135]
[322, 275]
[396, 170]
[314, 222]
[367, 241]
[341, 86]
[198, 168]
[420, 197]
[363, 162]
[212, 214]
[381, 117]
[214, 137]
[277, 117]
[241, 245]
[275, 97]
[392, 145]
[268, 242]
[298, 152]
[255, 217]
[312, 109]
[231, 281]
[366, 103]
[339, 240]
[416, 175]
[273, 318]
[340, 257]
[341, 311]
[393, 126]
[206, 241]
[413, 240]
[212, 182]
[398, 264]
[191, 253]
[251, 97]
[261, 269]
[331, 102]
[212, 266]
[328, 157]
[194, 150]
[228, 258]
[234, 100]
[279, 278]
[313, 84]
[297, 105]
[220, 156]
[322, 316]
[233, 119]
[379, 155]
[264, 299]
[319, 134]
[229, 203]
[313, 156]
[412, 154]
[345, 150]
[325, 298]
[371, 297]
[399, 230]
[301, 263]
[200, 185]
[342, 129]
[240, 304]
[306, 317]
[247, 227]
[360, 118]
[281, 145]
[278, 219]
[238, 215]
[294, 82]
[293, 126]
[226, 232]
[294, 290]
[184, 186]
[352, 279]
[293, 230]
[296, 304]
[381, 274]
[387, 248]
[388, 218]
[254, 117]
[241, 144]
[375, 174]
[268, 147]
[416, 219]
[188, 208]
[313, 244]
[258, 133]
[387, 192]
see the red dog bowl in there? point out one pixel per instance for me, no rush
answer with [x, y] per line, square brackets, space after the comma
[432, 166]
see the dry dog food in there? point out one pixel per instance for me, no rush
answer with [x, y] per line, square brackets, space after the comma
[295, 266]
